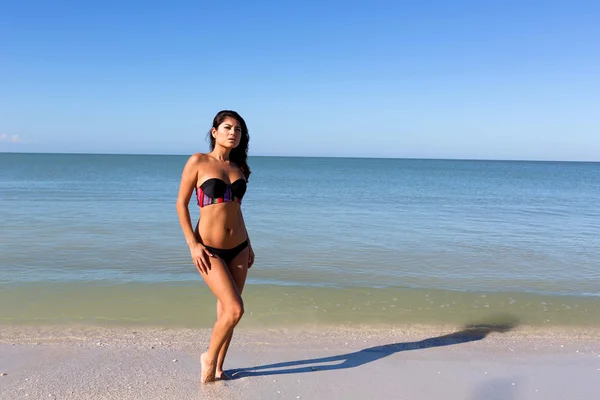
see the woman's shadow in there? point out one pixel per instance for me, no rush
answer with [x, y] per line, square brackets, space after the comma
[469, 333]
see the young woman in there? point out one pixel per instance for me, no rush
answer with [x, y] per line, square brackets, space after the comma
[219, 245]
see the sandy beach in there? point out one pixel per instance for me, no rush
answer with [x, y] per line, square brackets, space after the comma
[313, 362]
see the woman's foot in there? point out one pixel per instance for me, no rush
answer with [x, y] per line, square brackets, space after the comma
[221, 376]
[207, 373]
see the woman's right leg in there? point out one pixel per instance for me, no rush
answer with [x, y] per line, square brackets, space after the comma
[221, 283]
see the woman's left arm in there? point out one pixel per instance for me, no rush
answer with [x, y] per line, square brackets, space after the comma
[251, 252]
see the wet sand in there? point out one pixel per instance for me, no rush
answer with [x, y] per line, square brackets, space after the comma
[311, 362]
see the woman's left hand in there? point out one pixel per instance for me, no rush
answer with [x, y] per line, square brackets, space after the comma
[250, 257]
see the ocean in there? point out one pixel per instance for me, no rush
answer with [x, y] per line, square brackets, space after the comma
[95, 239]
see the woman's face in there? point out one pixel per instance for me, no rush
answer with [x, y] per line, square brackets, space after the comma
[228, 134]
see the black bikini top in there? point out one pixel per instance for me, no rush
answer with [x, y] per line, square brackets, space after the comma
[215, 191]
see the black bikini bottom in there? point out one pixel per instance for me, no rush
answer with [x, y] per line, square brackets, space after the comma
[228, 254]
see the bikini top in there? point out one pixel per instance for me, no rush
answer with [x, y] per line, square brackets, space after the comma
[215, 191]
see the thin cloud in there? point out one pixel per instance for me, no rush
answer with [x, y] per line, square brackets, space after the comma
[10, 138]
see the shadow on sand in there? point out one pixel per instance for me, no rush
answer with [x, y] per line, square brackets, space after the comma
[469, 333]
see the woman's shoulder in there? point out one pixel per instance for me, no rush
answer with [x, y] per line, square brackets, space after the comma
[198, 158]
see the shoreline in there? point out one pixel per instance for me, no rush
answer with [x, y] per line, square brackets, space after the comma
[509, 329]
[314, 362]
[193, 305]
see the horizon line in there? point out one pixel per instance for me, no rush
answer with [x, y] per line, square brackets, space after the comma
[307, 156]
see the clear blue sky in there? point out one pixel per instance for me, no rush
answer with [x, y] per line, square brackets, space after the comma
[444, 79]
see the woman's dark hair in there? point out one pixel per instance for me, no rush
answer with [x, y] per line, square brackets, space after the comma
[239, 155]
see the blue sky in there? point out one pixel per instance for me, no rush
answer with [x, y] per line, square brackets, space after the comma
[444, 79]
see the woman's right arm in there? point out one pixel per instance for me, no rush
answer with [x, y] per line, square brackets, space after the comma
[189, 179]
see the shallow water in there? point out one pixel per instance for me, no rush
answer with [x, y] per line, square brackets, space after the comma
[95, 238]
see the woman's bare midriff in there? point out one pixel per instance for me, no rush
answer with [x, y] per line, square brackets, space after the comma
[221, 226]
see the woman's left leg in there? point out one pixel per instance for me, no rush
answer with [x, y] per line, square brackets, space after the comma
[238, 267]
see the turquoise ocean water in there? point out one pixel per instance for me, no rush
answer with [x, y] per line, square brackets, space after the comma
[96, 239]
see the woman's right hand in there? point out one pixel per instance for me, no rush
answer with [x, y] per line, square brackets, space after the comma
[200, 256]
